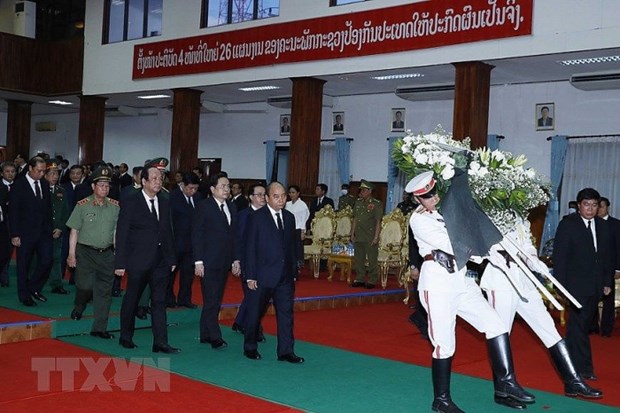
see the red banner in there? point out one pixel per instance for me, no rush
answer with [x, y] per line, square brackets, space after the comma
[395, 29]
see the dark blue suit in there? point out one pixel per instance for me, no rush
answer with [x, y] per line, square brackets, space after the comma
[242, 220]
[71, 201]
[182, 213]
[145, 249]
[213, 243]
[30, 219]
[270, 259]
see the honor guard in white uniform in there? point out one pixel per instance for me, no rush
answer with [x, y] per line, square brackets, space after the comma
[504, 299]
[446, 291]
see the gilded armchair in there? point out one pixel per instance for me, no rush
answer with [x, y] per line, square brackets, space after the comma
[391, 243]
[323, 230]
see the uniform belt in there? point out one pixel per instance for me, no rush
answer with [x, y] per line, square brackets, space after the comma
[97, 249]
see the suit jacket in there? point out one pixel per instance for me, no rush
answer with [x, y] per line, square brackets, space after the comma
[125, 180]
[545, 122]
[614, 227]
[213, 240]
[241, 203]
[182, 223]
[139, 235]
[29, 218]
[581, 269]
[69, 195]
[315, 207]
[269, 256]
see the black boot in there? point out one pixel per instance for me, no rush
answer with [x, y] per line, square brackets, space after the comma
[441, 387]
[507, 389]
[574, 386]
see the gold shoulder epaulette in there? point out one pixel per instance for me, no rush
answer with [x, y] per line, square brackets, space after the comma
[114, 202]
[83, 201]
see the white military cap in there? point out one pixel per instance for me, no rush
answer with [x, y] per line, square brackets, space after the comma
[421, 184]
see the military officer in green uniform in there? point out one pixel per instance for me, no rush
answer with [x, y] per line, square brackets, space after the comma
[60, 214]
[91, 251]
[367, 214]
[346, 199]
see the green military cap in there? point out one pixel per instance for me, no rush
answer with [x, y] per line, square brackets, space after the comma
[101, 174]
[51, 164]
[366, 184]
[159, 163]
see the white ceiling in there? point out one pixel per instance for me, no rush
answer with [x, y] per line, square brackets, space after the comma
[534, 69]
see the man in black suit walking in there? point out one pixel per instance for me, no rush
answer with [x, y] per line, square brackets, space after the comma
[608, 312]
[30, 225]
[182, 204]
[582, 263]
[270, 267]
[319, 202]
[145, 248]
[213, 245]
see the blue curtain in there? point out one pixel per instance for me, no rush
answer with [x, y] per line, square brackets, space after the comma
[492, 142]
[270, 157]
[559, 144]
[392, 175]
[343, 151]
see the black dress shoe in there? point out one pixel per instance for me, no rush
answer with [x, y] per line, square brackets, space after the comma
[356, 284]
[141, 313]
[510, 402]
[589, 376]
[38, 296]
[127, 343]
[102, 334]
[252, 354]
[59, 290]
[29, 302]
[577, 388]
[217, 343]
[238, 328]
[165, 348]
[369, 286]
[291, 358]
[76, 315]
[188, 305]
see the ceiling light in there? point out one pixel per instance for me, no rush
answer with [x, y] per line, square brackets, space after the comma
[59, 102]
[258, 88]
[590, 60]
[399, 76]
[154, 97]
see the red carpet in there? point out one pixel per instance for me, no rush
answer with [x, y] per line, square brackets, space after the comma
[384, 331]
[11, 316]
[21, 393]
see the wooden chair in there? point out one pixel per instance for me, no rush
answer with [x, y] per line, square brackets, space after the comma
[323, 229]
[391, 242]
[342, 237]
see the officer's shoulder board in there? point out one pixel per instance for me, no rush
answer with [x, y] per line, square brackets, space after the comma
[113, 202]
[83, 201]
[420, 209]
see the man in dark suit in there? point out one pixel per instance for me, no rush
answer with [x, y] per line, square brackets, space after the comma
[8, 177]
[582, 263]
[319, 202]
[124, 179]
[608, 312]
[213, 245]
[270, 267]
[182, 204]
[145, 249]
[30, 226]
[21, 165]
[238, 197]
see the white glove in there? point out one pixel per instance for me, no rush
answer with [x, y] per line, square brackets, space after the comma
[497, 260]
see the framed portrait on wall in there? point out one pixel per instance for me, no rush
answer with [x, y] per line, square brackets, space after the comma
[285, 124]
[397, 120]
[545, 116]
[338, 123]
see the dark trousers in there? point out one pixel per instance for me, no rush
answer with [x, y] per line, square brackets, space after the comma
[243, 308]
[186, 278]
[257, 301]
[299, 247]
[42, 247]
[157, 279]
[608, 315]
[5, 252]
[93, 279]
[577, 329]
[212, 285]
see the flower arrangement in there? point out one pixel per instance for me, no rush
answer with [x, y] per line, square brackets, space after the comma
[414, 154]
[499, 183]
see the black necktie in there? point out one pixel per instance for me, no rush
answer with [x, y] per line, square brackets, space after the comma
[224, 213]
[37, 189]
[591, 234]
[153, 210]
[279, 220]
[189, 201]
